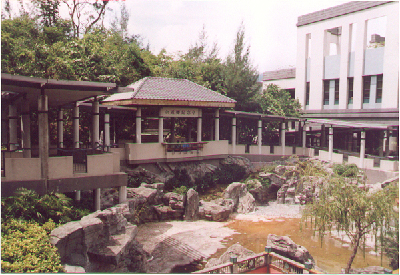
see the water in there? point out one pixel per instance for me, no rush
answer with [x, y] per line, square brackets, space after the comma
[331, 257]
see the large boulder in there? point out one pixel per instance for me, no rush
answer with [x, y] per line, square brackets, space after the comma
[284, 246]
[239, 251]
[241, 161]
[260, 192]
[151, 195]
[192, 206]
[166, 213]
[217, 210]
[275, 180]
[247, 204]
[234, 191]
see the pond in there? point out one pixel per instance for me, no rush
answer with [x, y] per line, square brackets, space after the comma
[331, 257]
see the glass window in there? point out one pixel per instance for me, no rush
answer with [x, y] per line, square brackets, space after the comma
[350, 89]
[336, 91]
[366, 88]
[379, 83]
[326, 92]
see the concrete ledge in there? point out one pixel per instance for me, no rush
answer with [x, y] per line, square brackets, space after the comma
[389, 165]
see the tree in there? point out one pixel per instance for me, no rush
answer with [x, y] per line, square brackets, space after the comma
[240, 77]
[346, 207]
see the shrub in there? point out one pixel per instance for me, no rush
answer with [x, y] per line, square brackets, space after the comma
[180, 178]
[25, 248]
[346, 170]
[180, 190]
[228, 173]
[206, 182]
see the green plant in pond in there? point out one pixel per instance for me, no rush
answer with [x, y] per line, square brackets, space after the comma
[25, 248]
[352, 210]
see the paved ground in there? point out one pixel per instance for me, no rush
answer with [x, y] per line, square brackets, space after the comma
[272, 211]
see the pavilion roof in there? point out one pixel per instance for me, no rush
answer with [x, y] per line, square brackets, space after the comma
[169, 91]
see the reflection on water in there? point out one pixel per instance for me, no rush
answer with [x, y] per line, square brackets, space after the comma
[331, 257]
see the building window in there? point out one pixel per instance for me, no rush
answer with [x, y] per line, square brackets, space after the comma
[336, 91]
[326, 92]
[366, 88]
[350, 83]
[308, 93]
[379, 82]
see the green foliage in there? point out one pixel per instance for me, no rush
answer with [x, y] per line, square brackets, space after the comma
[25, 248]
[346, 170]
[391, 244]
[346, 207]
[29, 206]
[180, 178]
[228, 173]
[137, 179]
[204, 183]
[180, 190]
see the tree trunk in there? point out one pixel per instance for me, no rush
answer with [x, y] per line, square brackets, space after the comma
[353, 255]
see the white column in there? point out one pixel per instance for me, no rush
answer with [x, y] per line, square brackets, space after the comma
[60, 128]
[283, 141]
[304, 139]
[330, 143]
[199, 120]
[217, 125]
[360, 45]
[43, 136]
[107, 130]
[76, 125]
[259, 136]
[95, 123]
[12, 124]
[344, 65]
[26, 131]
[122, 196]
[233, 135]
[160, 128]
[386, 143]
[362, 149]
[96, 196]
[139, 125]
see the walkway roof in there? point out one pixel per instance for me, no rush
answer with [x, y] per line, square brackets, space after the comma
[169, 91]
[59, 92]
[352, 124]
[261, 116]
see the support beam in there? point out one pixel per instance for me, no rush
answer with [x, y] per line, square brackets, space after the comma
[323, 136]
[43, 122]
[283, 137]
[381, 143]
[304, 139]
[60, 128]
[122, 195]
[330, 143]
[386, 143]
[95, 123]
[217, 125]
[259, 136]
[139, 125]
[233, 135]
[12, 124]
[199, 122]
[160, 128]
[96, 198]
[107, 130]
[362, 149]
[26, 130]
[76, 125]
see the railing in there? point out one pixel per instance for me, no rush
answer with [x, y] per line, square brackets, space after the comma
[265, 260]
[183, 147]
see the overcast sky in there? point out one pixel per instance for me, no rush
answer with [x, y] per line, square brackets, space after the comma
[270, 26]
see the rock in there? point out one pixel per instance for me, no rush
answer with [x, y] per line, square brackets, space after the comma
[73, 269]
[143, 175]
[108, 198]
[159, 185]
[192, 206]
[259, 191]
[216, 210]
[284, 246]
[281, 170]
[241, 161]
[281, 194]
[275, 179]
[239, 251]
[174, 200]
[149, 194]
[246, 204]
[368, 270]
[166, 213]
[234, 191]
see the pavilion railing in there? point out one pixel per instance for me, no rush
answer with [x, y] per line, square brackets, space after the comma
[269, 260]
[183, 147]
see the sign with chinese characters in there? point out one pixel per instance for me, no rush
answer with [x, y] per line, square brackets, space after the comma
[180, 112]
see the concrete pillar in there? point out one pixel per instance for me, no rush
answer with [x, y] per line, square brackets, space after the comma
[217, 125]
[160, 128]
[304, 139]
[386, 142]
[43, 122]
[139, 125]
[96, 198]
[95, 124]
[233, 135]
[78, 195]
[122, 195]
[330, 143]
[12, 124]
[199, 121]
[76, 125]
[259, 136]
[283, 141]
[173, 129]
[323, 136]
[362, 149]
[381, 143]
[60, 128]
[107, 131]
[26, 131]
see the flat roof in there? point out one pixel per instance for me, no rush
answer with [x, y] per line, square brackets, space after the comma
[336, 11]
[260, 116]
[279, 74]
[352, 124]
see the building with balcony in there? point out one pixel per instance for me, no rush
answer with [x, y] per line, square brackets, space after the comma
[347, 80]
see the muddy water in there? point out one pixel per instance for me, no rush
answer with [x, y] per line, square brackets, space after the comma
[331, 257]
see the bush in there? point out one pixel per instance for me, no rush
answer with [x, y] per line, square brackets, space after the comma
[180, 190]
[180, 178]
[28, 205]
[25, 248]
[206, 182]
[228, 173]
[346, 170]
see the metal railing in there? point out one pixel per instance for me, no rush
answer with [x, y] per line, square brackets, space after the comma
[183, 147]
[267, 260]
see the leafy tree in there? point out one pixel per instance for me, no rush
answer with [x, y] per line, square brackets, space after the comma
[353, 210]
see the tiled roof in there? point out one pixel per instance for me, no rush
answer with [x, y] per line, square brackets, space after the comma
[169, 89]
[336, 11]
[280, 74]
